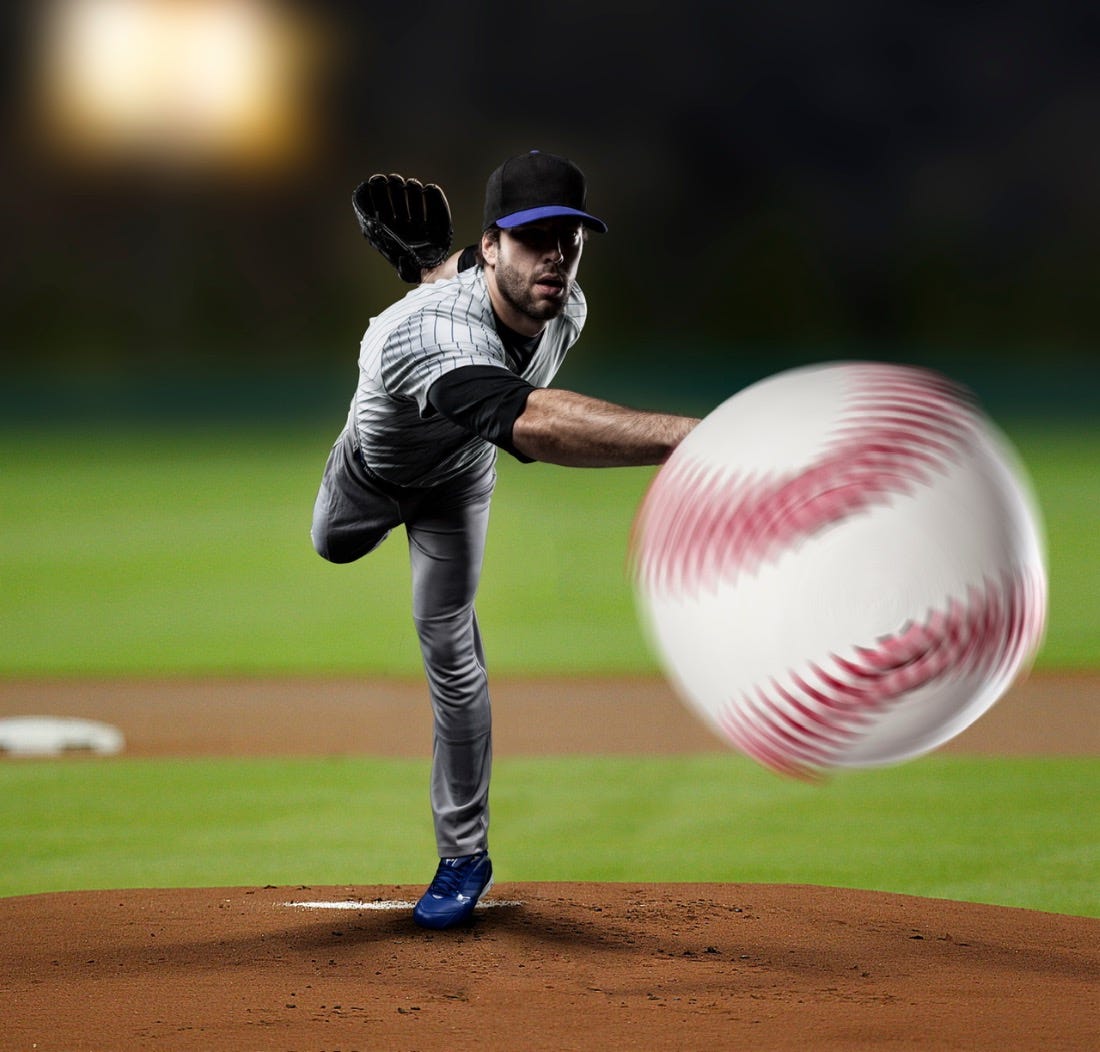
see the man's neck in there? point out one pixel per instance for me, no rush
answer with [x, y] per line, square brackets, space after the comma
[514, 335]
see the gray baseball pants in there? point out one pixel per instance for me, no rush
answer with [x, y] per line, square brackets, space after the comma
[446, 527]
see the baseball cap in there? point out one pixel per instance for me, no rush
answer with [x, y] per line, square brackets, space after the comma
[536, 186]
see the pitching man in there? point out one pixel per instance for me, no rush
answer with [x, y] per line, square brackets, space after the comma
[457, 369]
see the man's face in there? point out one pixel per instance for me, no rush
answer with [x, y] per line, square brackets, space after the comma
[536, 265]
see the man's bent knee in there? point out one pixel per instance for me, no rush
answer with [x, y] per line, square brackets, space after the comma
[342, 546]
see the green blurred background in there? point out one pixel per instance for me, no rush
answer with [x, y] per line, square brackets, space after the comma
[187, 552]
[183, 291]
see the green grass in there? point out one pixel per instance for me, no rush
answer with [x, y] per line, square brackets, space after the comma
[137, 553]
[1064, 464]
[1004, 831]
[188, 553]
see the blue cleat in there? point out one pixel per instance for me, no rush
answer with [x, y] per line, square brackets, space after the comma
[453, 894]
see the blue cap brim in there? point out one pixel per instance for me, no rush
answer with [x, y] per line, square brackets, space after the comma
[533, 215]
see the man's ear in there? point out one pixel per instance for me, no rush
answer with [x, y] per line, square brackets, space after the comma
[489, 249]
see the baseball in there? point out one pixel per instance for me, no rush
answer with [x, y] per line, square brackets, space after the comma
[841, 566]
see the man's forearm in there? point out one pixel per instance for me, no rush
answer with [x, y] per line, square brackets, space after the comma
[563, 427]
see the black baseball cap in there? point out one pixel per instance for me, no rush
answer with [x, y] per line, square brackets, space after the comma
[536, 186]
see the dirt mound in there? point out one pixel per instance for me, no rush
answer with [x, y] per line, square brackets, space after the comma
[543, 966]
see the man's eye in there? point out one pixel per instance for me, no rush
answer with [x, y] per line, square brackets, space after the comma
[542, 239]
[531, 238]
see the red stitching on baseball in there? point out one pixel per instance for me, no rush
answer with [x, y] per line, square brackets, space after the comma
[700, 524]
[833, 701]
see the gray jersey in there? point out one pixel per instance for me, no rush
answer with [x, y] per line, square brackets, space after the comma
[436, 328]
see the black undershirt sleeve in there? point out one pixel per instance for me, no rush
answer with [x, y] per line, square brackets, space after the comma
[484, 399]
[467, 258]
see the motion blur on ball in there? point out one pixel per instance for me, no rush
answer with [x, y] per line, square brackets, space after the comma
[842, 566]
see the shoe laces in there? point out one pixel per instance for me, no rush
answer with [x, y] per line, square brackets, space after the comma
[449, 876]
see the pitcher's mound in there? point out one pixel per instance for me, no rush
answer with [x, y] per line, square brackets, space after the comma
[543, 966]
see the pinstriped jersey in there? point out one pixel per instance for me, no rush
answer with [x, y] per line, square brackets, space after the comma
[436, 328]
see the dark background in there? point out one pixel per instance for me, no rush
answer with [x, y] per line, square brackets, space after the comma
[802, 181]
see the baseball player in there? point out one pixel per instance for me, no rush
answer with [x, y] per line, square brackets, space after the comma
[457, 369]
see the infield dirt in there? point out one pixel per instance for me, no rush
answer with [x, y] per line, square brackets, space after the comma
[550, 966]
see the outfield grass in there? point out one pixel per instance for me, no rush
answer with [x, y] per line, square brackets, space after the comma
[1003, 831]
[132, 553]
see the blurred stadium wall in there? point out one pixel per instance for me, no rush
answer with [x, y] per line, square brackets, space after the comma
[786, 184]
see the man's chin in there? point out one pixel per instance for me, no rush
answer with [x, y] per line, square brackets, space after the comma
[549, 310]
[543, 308]
[531, 304]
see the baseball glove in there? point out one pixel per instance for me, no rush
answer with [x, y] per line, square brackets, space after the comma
[407, 222]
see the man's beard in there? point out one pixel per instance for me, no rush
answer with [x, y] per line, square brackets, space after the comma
[520, 296]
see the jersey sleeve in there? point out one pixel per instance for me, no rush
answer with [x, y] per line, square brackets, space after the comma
[431, 343]
[485, 401]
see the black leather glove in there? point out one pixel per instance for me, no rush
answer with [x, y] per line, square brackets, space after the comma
[407, 222]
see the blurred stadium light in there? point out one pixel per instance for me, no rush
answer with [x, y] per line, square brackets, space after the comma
[184, 83]
[891, 180]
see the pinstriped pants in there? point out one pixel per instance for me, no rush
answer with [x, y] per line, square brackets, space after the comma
[446, 528]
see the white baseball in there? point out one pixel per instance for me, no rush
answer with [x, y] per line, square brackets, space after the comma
[842, 566]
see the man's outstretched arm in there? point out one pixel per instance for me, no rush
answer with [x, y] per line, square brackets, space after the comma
[563, 427]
